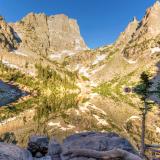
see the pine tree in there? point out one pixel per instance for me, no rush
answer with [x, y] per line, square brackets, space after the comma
[144, 92]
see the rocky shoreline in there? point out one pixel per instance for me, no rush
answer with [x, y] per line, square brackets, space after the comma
[81, 146]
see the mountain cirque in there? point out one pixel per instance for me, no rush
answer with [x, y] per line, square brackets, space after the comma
[107, 70]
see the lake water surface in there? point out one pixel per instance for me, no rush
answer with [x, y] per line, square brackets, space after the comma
[9, 93]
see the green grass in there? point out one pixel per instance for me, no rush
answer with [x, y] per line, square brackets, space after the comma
[114, 89]
[53, 92]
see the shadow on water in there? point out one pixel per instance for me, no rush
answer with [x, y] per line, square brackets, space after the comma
[10, 93]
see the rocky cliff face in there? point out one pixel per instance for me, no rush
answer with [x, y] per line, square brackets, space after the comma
[128, 34]
[49, 34]
[146, 35]
[8, 39]
[150, 26]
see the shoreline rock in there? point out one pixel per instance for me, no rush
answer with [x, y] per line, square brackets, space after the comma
[41, 148]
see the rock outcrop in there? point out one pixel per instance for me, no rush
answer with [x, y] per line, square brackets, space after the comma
[13, 152]
[128, 34]
[82, 146]
[8, 39]
[150, 25]
[146, 35]
[38, 146]
[44, 34]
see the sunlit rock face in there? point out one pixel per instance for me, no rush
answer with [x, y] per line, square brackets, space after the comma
[127, 35]
[8, 40]
[44, 34]
[146, 35]
[150, 24]
[41, 148]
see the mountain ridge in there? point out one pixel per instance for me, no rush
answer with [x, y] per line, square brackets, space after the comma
[102, 75]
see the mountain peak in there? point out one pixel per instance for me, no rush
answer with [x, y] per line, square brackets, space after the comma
[126, 36]
[135, 19]
[149, 26]
[154, 9]
[156, 4]
[49, 34]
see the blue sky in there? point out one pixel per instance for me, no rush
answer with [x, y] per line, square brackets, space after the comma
[100, 21]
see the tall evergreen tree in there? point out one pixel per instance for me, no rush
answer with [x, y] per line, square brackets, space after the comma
[144, 92]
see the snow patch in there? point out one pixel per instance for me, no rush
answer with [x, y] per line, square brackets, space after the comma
[62, 54]
[51, 124]
[77, 112]
[99, 58]
[157, 129]
[67, 128]
[100, 120]
[130, 61]
[8, 120]
[55, 56]
[98, 69]
[10, 65]
[93, 84]
[87, 106]
[77, 67]
[54, 124]
[155, 50]
[68, 53]
[133, 118]
[98, 109]
[19, 53]
[84, 71]
[84, 107]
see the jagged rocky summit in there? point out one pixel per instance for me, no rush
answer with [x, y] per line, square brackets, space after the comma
[82, 146]
[139, 36]
[42, 34]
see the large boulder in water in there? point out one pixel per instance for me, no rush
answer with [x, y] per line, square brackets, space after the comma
[13, 152]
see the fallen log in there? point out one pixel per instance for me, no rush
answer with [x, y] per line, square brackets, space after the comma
[103, 155]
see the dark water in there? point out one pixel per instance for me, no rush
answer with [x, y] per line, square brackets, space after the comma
[9, 93]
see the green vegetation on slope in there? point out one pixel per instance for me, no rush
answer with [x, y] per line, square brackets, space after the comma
[115, 89]
[50, 92]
